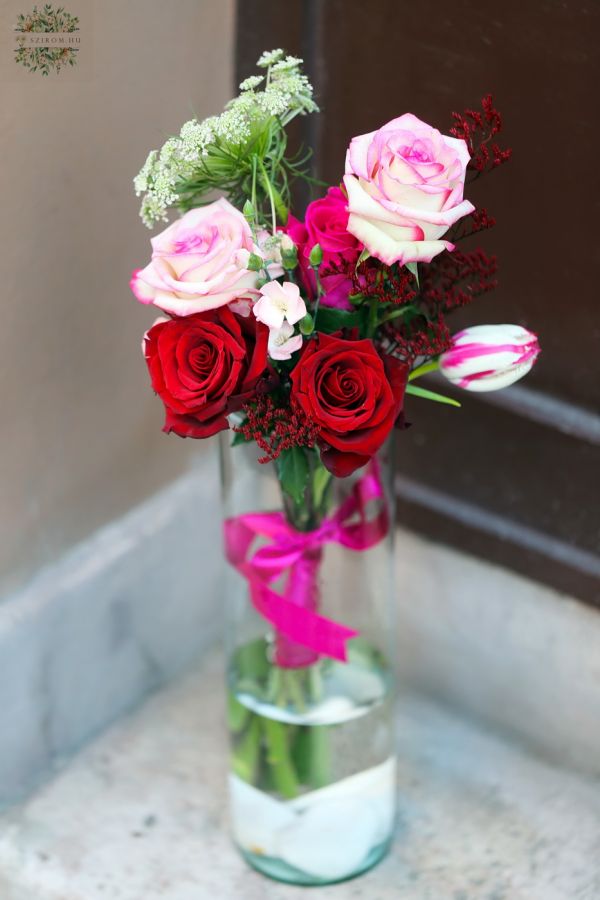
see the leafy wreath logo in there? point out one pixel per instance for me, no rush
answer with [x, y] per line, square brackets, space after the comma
[45, 20]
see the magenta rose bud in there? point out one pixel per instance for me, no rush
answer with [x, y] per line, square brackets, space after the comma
[489, 357]
[326, 224]
[405, 187]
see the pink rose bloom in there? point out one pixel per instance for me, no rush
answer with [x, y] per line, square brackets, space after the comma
[405, 187]
[326, 224]
[198, 262]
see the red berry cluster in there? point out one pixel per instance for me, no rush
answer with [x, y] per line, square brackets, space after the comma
[478, 128]
[419, 336]
[455, 279]
[390, 284]
[478, 220]
[274, 428]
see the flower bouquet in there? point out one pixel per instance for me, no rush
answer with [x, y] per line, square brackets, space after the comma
[298, 342]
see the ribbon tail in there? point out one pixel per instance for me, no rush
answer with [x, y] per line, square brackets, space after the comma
[301, 634]
[301, 625]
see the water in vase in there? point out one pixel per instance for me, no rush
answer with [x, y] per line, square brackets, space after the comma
[313, 769]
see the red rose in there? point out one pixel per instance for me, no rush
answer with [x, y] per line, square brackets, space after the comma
[205, 366]
[345, 388]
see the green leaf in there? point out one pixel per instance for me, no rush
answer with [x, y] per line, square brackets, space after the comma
[321, 481]
[280, 207]
[293, 471]
[396, 312]
[430, 395]
[413, 268]
[364, 255]
[331, 319]
[255, 263]
[424, 369]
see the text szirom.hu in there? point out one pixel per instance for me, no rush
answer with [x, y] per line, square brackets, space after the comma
[47, 39]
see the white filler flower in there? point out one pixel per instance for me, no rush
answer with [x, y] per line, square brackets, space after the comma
[279, 303]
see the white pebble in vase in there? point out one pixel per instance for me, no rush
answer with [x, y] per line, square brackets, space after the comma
[328, 840]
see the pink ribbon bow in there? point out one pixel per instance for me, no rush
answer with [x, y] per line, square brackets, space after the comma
[298, 554]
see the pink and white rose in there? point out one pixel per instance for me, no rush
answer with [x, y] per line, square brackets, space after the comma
[199, 262]
[405, 187]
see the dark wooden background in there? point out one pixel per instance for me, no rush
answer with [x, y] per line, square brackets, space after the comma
[513, 476]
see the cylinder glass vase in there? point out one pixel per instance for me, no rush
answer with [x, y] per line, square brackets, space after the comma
[309, 602]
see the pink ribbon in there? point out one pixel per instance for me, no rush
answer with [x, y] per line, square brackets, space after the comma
[297, 555]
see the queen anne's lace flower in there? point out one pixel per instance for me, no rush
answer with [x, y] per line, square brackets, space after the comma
[286, 93]
[269, 58]
[290, 62]
[250, 83]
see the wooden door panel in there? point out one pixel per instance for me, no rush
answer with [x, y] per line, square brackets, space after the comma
[518, 477]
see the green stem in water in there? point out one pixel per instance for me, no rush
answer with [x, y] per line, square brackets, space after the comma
[246, 754]
[278, 758]
[315, 683]
[319, 756]
[294, 692]
[237, 714]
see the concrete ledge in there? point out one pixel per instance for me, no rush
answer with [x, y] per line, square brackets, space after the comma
[142, 813]
[506, 650]
[115, 618]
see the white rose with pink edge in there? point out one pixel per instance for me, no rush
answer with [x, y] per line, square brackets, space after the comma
[199, 262]
[489, 357]
[405, 187]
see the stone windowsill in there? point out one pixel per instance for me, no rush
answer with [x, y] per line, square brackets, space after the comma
[141, 814]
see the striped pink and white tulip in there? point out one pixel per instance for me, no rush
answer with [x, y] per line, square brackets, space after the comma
[489, 357]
